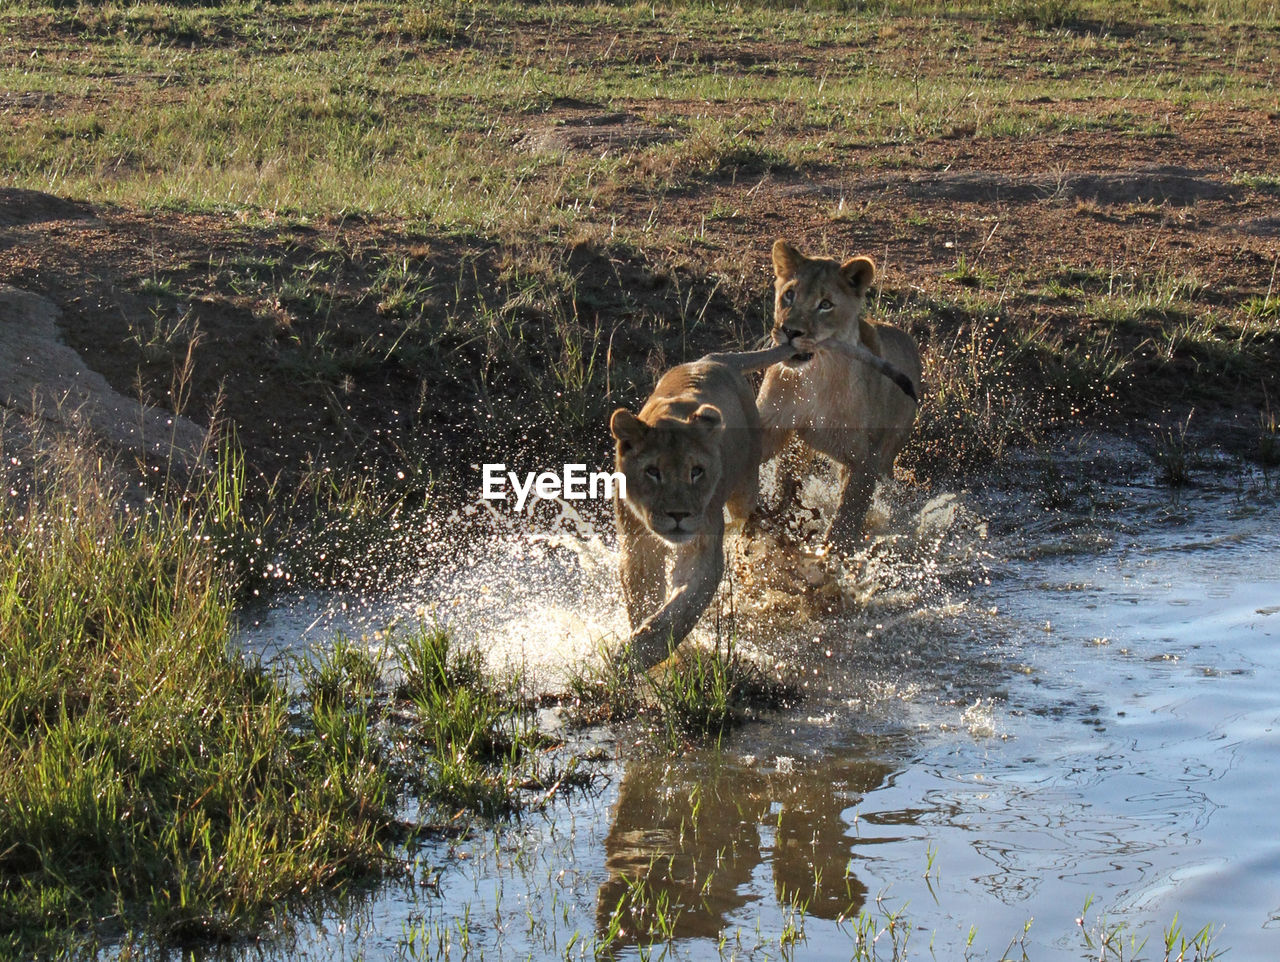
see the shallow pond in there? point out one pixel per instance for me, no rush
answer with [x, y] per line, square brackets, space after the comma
[1050, 719]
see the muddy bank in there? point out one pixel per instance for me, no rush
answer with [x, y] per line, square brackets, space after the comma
[1119, 298]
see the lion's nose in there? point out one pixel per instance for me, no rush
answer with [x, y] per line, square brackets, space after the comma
[791, 333]
[678, 516]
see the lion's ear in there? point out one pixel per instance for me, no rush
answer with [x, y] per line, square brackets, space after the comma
[626, 427]
[786, 259]
[707, 417]
[859, 273]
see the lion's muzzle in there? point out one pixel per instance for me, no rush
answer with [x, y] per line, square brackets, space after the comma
[786, 335]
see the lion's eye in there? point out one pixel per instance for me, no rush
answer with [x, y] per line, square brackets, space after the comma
[653, 472]
[696, 473]
[825, 305]
[788, 295]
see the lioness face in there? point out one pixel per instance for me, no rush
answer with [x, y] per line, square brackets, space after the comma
[672, 469]
[817, 298]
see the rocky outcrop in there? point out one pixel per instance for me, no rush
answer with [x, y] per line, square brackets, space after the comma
[43, 378]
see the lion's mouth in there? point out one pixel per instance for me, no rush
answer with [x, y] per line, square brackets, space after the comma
[677, 535]
[796, 360]
[671, 530]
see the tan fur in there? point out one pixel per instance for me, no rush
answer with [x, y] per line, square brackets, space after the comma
[693, 450]
[835, 404]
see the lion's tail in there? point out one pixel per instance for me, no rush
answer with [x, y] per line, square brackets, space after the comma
[864, 354]
[743, 361]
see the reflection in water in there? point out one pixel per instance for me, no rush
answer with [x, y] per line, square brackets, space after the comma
[700, 839]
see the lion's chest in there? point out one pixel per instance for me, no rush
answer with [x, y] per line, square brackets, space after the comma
[837, 406]
[826, 394]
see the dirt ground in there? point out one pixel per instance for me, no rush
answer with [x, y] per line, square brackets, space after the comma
[1095, 207]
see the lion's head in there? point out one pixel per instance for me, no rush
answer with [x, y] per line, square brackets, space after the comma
[672, 467]
[817, 298]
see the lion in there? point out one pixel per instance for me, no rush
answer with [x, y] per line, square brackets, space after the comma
[693, 451]
[851, 391]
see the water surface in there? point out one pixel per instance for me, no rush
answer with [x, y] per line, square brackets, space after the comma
[1029, 706]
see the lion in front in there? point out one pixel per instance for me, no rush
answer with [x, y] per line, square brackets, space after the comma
[854, 412]
[693, 450]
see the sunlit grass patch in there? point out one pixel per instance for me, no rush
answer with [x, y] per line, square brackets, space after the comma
[1207, 342]
[345, 673]
[1263, 307]
[354, 124]
[1127, 299]
[703, 692]
[1266, 183]
[970, 274]
[151, 775]
[472, 741]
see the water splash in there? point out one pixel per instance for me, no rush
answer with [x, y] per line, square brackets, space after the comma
[537, 592]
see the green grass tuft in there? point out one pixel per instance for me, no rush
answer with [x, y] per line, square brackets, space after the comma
[477, 744]
[605, 690]
[344, 673]
[702, 693]
[1174, 454]
[149, 775]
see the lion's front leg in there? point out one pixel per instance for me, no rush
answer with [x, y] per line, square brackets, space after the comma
[698, 569]
[773, 440]
[642, 566]
[742, 502]
[776, 404]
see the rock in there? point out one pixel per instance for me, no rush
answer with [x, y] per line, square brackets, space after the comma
[44, 378]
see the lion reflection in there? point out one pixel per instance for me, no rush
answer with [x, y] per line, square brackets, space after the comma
[691, 844]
